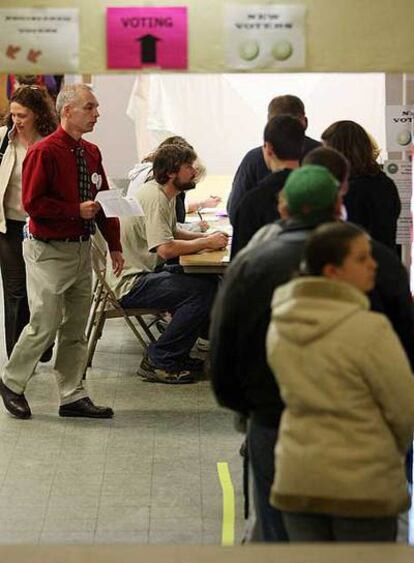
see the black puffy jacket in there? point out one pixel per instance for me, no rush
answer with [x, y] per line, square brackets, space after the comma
[241, 378]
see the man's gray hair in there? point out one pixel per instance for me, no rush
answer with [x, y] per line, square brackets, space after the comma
[68, 94]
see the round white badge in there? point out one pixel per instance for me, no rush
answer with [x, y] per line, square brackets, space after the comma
[97, 180]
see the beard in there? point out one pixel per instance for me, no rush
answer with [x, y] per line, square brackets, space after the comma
[183, 186]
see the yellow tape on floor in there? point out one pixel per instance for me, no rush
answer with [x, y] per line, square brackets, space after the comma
[227, 533]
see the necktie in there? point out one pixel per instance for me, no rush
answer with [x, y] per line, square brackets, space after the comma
[84, 186]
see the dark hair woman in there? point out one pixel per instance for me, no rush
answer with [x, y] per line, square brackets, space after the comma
[372, 200]
[31, 116]
[349, 397]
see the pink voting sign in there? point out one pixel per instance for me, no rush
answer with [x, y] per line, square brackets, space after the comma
[146, 37]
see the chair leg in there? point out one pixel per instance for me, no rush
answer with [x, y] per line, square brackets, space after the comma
[95, 335]
[96, 301]
[145, 328]
[135, 331]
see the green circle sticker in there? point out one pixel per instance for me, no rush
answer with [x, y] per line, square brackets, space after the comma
[282, 50]
[392, 168]
[404, 138]
[249, 49]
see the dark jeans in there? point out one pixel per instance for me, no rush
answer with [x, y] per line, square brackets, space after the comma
[188, 297]
[261, 442]
[13, 273]
[321, 528]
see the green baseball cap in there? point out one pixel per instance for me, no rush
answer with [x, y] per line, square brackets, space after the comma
[310, 190]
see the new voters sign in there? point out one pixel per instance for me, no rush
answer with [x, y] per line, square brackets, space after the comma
[147, 37]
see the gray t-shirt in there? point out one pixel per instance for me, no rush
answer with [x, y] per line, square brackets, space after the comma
[140, 236]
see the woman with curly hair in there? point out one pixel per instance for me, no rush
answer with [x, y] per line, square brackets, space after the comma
[30, 117]
[372, 200]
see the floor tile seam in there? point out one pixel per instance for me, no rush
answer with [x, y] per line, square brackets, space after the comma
[199, 396]
[62, 440]
[11, 456]
[151, 483]
[110, 431]
[201, 455]
[98, 506]
[107, 448]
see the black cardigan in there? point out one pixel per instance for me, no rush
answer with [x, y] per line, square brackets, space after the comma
[373, 203]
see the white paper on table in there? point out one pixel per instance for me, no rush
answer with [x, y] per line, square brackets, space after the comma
[215, 210]
[228, 229]
[114, 204]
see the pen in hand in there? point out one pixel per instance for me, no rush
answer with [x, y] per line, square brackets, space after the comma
[199, 214]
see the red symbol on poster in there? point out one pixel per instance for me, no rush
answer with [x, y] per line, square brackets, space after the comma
[11, 51]
[33, 55]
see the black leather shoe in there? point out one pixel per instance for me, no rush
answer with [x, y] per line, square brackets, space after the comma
[86, 409]
[15, 403]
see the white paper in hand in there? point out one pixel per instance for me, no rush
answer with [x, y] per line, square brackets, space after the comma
[114, 204]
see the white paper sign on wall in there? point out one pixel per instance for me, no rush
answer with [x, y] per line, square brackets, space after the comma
[39, 40]
[265, 36]
[401, 172]
[399, 127]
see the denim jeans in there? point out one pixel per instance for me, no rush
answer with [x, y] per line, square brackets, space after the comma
[261, 442]
[188, 297]
[322, 528]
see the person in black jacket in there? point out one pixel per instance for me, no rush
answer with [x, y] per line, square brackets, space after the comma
[253, 168]
[372, 200]
[241, 378]
[283, 144]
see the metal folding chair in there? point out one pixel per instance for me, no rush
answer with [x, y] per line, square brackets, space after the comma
[104, 306]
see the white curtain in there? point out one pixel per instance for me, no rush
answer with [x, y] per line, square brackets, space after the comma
[223, 115]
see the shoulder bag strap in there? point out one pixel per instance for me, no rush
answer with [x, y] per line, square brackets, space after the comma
[4, 144]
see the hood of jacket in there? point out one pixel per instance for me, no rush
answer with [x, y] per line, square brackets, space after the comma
[142, 168]
[307, 308]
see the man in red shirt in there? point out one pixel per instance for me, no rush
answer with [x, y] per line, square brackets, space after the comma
[61, 177]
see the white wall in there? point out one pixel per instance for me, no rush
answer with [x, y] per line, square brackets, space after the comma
[114, 132]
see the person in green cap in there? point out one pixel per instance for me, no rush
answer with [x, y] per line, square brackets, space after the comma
[310, 191]
[241, 378]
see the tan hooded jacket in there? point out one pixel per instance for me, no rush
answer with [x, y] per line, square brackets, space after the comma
[349, 395]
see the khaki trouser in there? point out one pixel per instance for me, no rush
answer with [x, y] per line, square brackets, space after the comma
[59, 291]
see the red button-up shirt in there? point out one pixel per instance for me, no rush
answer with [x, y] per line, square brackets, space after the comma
[50, 189]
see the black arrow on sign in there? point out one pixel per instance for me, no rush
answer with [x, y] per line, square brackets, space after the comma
[148, 48]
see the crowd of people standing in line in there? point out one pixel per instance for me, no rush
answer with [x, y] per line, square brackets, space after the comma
[330, 415]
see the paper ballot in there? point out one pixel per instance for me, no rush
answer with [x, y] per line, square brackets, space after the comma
[114, 204]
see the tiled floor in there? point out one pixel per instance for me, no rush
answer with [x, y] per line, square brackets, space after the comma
[148, 475]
